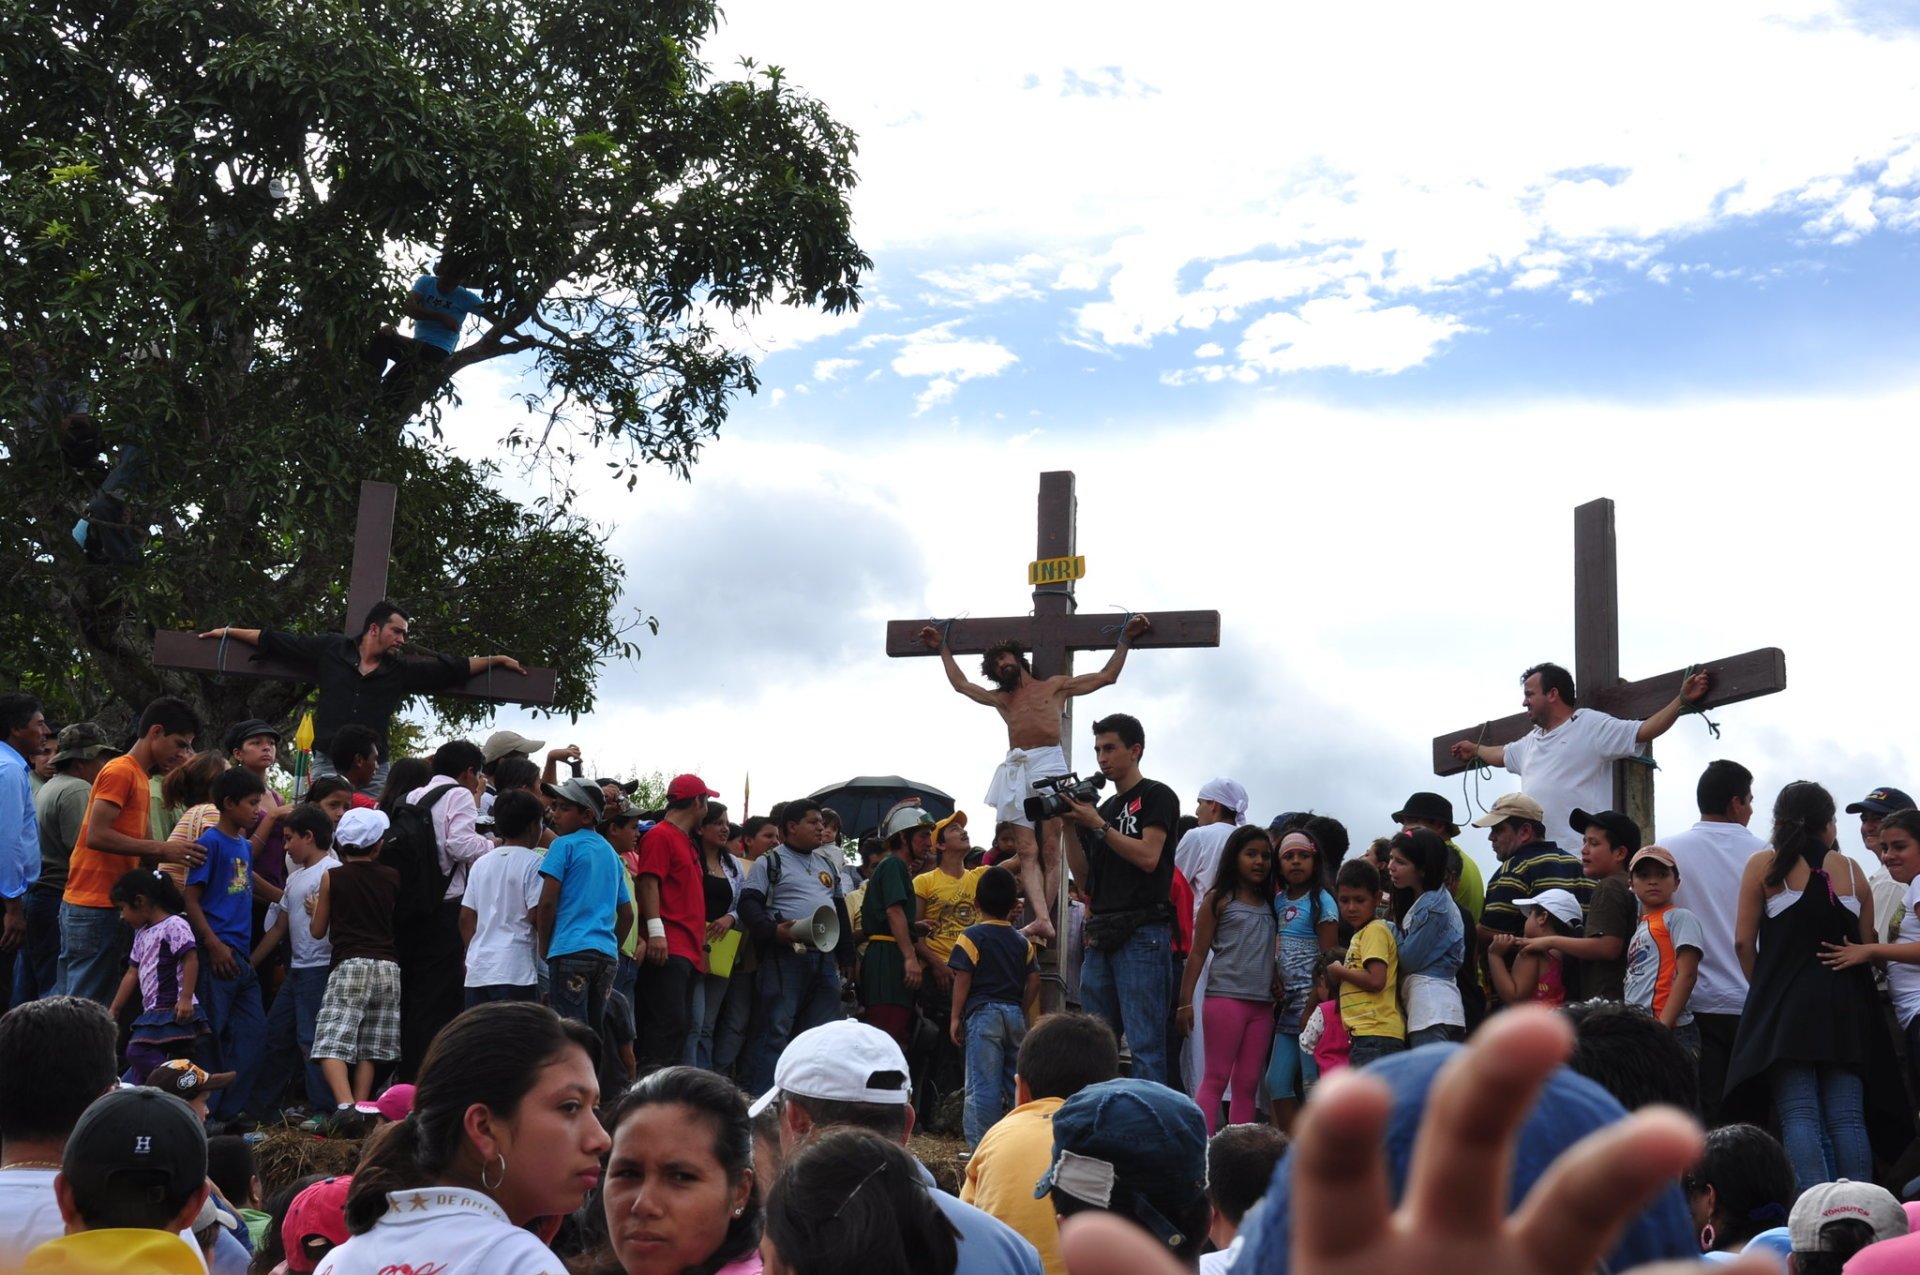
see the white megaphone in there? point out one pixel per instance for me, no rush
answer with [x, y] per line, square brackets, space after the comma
[820, 932]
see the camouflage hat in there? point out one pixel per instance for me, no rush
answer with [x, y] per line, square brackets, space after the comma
[82, 741]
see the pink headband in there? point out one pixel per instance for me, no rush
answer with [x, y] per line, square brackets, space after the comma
[1298, 839]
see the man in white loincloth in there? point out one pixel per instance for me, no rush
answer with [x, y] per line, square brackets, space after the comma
[1031, 708]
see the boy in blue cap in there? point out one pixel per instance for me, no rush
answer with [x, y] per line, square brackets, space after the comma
[1138, 1149]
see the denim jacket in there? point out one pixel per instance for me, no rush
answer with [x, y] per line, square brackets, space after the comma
[1432, 939]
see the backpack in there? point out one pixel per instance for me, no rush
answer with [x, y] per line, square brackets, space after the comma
[413, 850]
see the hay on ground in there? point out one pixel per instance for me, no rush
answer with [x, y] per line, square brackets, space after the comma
[289, 1153]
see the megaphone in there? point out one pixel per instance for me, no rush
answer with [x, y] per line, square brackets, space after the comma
[821, 931]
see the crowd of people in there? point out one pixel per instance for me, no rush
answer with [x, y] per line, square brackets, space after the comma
[574, 1032]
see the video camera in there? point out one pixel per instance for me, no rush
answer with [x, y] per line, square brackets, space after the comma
[1054, 804]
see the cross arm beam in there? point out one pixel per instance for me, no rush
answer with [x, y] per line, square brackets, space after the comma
[1737, 678]
[190, 653]
[1080, 632]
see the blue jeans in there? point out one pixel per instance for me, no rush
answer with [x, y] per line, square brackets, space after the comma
[578, 984]
[1823, 1121]
[290, 1044]
[239, 1024]
[709, 994]
[1368, 1049]
[93, 952]
[626, 973]
[736, 1016]
[796, 993]
[1130, 987]
[993, 1032]
[37, 971]
[495, 992]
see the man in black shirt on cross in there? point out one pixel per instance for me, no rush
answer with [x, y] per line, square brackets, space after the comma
[1124, 856]
[363, 680]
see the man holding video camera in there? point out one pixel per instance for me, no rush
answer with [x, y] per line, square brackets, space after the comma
[1124, 858]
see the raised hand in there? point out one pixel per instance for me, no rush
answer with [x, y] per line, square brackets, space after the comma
[929, 637]
[1695, 688]
[1137, 625]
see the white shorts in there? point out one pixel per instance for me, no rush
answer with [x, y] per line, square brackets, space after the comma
[1013, 781]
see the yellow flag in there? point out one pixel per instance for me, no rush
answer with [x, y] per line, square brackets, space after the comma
[303, 737]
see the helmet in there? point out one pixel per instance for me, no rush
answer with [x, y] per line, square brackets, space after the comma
[905, 818]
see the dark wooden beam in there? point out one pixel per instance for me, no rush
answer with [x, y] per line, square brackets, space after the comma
[192, 654]
[372, 541]
[1081, 632]
[1740, 677]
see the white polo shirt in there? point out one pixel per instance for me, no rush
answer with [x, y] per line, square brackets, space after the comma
[444, 1229]
[502, 887]
[1570, 767]
[1711, 858]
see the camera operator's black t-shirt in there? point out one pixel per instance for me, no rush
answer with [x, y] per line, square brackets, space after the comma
[1117, 885]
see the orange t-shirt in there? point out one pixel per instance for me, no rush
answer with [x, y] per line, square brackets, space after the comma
[91, 873]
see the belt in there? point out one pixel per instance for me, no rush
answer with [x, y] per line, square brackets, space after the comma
[881, 938]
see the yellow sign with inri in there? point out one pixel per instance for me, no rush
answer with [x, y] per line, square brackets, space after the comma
[1056, 570]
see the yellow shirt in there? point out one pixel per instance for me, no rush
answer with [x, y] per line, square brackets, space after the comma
[947, 902]
[117, 1252]
[1373, 1013]
[1011, 1157]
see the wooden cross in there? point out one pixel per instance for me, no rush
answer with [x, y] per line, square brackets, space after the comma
[372, 543]
[1596, 669]
[1054, 631]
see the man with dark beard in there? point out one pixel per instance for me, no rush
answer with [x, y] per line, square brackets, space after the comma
[1031, 707]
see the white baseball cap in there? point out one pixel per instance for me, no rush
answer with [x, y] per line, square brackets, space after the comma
[360, 828]
[1560, 903]
[1225, 792]
[841, 1061]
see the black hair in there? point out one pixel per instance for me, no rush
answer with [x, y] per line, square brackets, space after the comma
[1427, 851]
[58, 1053]
[792, 812]
[350, 743]
[1240, 1162]
[1553, 678]
[515, 811]
[888, 1119]
[853, 1201]
[1132, 734]
[515, 772]
[17, 708]
[992, 654]
[456, 757]
[491, 1056]
[1319, 882]
[995, 892]
[1907, 821]
[1226, 873]
[174, 716]
[1358, 874]
[1329, 834]
[324, 786]
[230, 1166]
[1064, 1053]
[870, 848]
[310, 819]
[273, 1245]
[151, 884]
[1721, 784]
[1752, 1181]
[831, 817]
[1840, 1239]
[716, 813]
[1323, 960]
[403, 777]
[1801, 814]
[724, 1109]
[235, 783]
[380, 613]
[1627, 1052]
[750, 826]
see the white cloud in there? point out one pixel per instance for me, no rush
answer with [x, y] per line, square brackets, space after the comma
[830, 369]
[1346, 332]
[943, 356]
[986, 283]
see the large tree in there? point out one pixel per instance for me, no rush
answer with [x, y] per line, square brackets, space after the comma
[207, 208]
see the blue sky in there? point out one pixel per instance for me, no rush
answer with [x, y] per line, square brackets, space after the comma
[1455, 269]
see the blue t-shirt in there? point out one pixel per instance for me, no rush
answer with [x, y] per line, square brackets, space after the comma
[999, 957]
[226, 897]
[1296, 915]
[588, 869]
[456, 303]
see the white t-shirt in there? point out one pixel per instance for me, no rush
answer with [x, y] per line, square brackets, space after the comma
[1571, 767]
[446, 1230]
[32, 1214]
[502, 887]
[1712, 857]
[1198, 857]
[1903, 979]
[296, 904]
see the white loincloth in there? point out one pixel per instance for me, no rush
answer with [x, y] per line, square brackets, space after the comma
[1013, 781]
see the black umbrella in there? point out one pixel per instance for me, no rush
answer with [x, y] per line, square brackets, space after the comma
[862, 800]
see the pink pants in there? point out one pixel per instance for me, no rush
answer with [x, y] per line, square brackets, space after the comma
[1238, 1034]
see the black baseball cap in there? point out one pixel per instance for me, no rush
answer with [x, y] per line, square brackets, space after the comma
[1881, 801]
[136, 1138]
[1430, 806]
[241, 732]
[1620, 830]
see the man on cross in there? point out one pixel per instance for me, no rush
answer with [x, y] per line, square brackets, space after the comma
[1565, 761]
[363, 680]
[1031, 707]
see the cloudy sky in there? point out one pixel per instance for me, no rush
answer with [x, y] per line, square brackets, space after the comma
[1337, 311]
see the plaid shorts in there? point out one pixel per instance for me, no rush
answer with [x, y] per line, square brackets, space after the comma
[360, 1014]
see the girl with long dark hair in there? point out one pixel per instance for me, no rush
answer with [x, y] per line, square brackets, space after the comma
[1236, 924]
[1432, 938]
[1309, 923]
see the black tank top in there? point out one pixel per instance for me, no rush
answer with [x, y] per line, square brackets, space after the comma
[360, 910]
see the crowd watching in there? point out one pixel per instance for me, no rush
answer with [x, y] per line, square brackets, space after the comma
[551, 1030]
